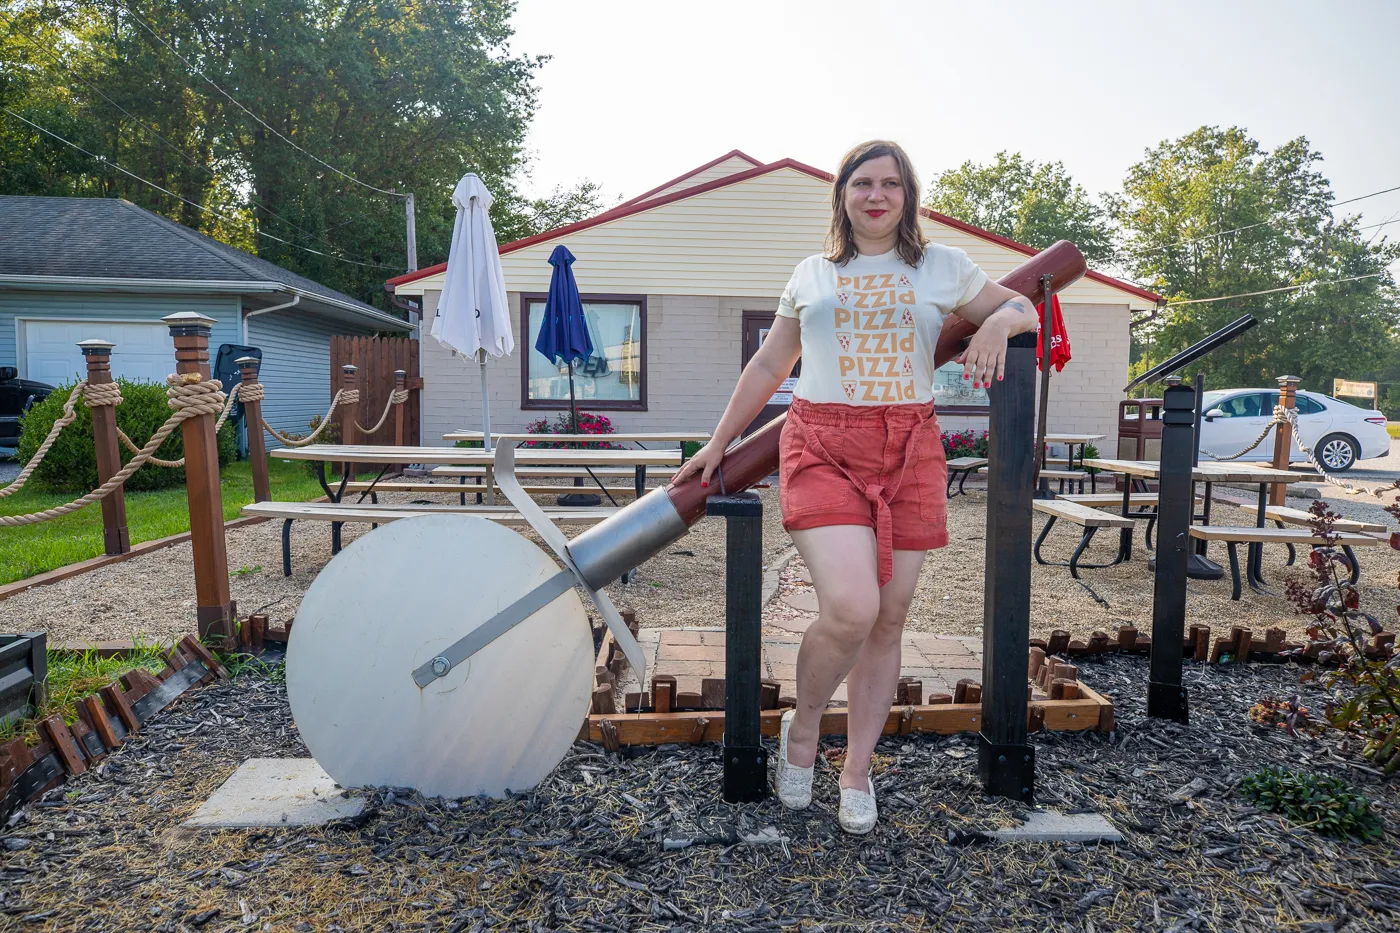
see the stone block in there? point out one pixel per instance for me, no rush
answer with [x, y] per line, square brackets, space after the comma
[275, 792]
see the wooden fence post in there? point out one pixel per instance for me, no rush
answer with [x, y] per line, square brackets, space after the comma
[1283, 435]
[349, 414]
[215, 612]
[115, 537]
[248, 367]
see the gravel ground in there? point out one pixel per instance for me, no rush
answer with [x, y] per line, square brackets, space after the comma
[153, 595]
[584, 850]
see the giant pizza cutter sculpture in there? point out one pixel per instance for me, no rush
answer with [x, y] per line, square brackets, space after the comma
[452, 655]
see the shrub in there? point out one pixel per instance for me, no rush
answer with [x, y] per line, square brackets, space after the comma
[1321, 802]
[967, 443]
[587, 424]
[71, 464]
[1365, 705]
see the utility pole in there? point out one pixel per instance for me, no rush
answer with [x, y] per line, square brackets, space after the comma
[412, 231]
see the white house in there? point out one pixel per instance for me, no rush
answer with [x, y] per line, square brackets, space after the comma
[681, 283]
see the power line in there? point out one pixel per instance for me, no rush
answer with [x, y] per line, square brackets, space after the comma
[1213, 236]
[178, 150]
[195, 205]
[1271, 291]
[250, 113]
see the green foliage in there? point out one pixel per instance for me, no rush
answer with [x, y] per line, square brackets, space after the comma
[690, 449]
[73, 676]
[1318, 801]
[1033, 204]
[1213, 214]
[469, 445]
[71, 464]
[405, 95]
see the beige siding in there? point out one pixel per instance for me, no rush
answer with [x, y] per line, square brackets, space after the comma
[742, 239]
[694, 351]
[713, 173]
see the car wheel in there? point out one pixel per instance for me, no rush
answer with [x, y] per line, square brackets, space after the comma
[1338, 452]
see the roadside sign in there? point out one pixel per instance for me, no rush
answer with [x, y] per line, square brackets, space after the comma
[1341, 387]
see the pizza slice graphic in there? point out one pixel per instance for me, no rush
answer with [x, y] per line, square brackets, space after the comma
[843, 297]
[904, 280]
[908, 368]
[850, 386]
[844, 339]
[907, 318]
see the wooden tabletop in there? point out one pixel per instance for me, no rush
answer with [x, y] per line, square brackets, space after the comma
[1208, 472]
[358, 453]
[638, 438]
[1073, 438]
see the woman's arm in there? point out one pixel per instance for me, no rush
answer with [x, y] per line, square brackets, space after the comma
[760, 379]
[999, 314]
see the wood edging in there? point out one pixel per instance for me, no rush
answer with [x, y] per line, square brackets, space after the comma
[106, 560]
[1091, 712]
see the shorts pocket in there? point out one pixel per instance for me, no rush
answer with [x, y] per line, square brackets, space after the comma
[806, 481]
[931, 474]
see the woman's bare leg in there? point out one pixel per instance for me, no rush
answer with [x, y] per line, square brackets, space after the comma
[844, 571]
[871, 684]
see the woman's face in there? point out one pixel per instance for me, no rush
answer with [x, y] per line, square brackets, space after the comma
[874, 198]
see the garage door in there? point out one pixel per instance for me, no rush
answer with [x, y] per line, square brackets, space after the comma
[143, 352]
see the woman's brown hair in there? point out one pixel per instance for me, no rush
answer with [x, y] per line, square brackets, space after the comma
[910, 241]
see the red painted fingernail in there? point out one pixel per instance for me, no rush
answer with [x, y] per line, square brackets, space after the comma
[703, 484]
[966, 376]
[1000, 378]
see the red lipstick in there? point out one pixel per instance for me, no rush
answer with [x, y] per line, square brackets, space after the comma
[877, 213]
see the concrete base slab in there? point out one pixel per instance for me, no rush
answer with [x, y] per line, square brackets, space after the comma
[275, 792]
[1050, 826]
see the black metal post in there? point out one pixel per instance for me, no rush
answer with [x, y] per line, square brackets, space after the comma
[1166, 698]
[1006, 761]
[745, 758]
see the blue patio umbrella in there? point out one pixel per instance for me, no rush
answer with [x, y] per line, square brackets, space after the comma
[564, 330]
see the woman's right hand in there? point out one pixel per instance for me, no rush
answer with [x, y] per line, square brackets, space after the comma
[705, 461]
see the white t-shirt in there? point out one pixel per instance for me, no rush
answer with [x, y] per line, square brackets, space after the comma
[869, 327]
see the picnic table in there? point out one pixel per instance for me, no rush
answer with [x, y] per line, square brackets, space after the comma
[644, 437]
[1139, 471]
[1072, 441]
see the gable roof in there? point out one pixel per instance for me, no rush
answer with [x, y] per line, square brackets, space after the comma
[641, 203]
[51, 239]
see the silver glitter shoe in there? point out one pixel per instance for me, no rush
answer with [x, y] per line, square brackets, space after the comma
[793, 784]
[858, 813]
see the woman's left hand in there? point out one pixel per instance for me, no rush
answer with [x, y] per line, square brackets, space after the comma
[985, 356]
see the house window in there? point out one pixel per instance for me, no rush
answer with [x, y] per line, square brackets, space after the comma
[952, 391]
[613, 378]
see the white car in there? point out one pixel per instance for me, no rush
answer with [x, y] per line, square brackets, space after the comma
[1338, 433]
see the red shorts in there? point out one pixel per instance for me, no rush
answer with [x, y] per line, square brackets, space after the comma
[836, 460]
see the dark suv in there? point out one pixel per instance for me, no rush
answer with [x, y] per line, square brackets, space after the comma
[16, 396]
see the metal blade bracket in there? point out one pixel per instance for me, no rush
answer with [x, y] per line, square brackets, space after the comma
[494, 627]
[559, 544]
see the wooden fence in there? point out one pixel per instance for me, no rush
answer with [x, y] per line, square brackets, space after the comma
[376, 358]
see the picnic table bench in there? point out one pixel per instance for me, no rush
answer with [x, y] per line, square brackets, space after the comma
[1235, 535]
[339, 514]
[1086, 517]
[960, 468]
[638, 475]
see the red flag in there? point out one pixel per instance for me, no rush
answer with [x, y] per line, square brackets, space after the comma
[1059, 337]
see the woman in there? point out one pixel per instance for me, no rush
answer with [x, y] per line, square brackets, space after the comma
[862, 474]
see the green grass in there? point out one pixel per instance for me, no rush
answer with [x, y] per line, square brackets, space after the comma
[72, 677]
[30, 549]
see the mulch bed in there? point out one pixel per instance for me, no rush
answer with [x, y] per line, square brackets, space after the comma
[587, 850]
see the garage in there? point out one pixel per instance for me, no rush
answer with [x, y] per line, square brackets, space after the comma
[49, 352]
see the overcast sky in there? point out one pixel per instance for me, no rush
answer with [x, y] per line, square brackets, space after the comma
[638, 92]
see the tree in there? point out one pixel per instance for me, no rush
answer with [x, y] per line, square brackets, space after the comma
[1032, 204]
[1213, 214]
[348, 105]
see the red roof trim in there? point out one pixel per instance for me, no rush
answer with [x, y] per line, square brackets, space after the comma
[731, 154]
[635, 207]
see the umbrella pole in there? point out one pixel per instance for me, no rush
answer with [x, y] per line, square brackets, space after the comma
[485, 404]
[573, 406]
[1046, 327]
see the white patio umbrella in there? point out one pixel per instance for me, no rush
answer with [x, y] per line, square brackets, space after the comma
[472, 316]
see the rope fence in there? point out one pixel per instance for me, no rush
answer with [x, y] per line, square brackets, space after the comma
[189, 396]
[343, 397]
